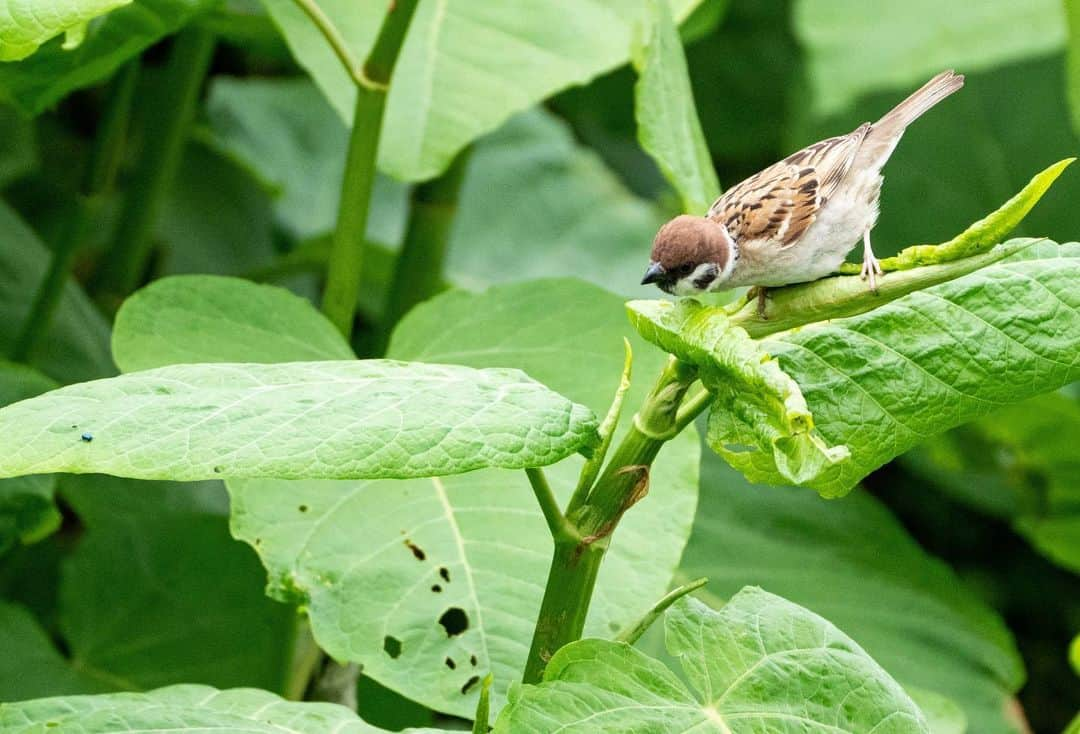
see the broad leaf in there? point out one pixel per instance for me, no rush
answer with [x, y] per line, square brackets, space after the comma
[183, 708]
[852, 562]
[138, 612]
[668, 125]
[465, 67]
[475, 548]
[26, 24]
[756, 406]
[758, 664]
[285, 132]
[1072, 61]
[317, 420]
[942, 715]
[31, 665]
[77, 345]
[184, 318]
[855, 47]
[887, 379]
[38, 82]
[27, 512]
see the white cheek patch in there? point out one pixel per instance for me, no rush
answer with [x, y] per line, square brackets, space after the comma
[687, 286]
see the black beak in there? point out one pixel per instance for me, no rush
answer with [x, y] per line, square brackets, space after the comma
[654, 273]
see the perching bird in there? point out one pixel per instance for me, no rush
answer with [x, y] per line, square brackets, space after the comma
[795, 221]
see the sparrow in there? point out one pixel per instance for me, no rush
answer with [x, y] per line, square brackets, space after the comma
[795, 221]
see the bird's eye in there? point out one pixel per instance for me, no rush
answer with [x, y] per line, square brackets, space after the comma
[686, 269]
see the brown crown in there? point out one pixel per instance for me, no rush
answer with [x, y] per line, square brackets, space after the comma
[688, 240]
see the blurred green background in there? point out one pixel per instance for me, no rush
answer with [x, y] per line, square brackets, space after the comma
[564, 189]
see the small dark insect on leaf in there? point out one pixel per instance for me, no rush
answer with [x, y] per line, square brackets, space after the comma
[88, 437]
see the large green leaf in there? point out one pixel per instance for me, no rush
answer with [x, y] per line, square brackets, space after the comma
[186, 318]
[27, 512]
[36, 83]
[758, 664]
[157, 592]
[475, 542]
[1019, 463]
[77, 345]
[465, 67]
[885, 380]
[531, 185]
[31, 665]
[1072, 61]
[26, 24]
[852, 562]
[178, 709]
[855, 47]
[288, 135]
[668, 125]
[318, 420]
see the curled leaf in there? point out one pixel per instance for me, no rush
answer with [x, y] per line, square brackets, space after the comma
[758, 414]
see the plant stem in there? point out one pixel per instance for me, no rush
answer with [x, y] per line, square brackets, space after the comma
[334, 38]
[97, 180]
[164, 139]
[304, 660]
[633, 633]
[418, 274]
[548, 504]
[347, 247]
[579, 553]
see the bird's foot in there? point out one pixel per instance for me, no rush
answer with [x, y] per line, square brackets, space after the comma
[760, 293]
[871, 266]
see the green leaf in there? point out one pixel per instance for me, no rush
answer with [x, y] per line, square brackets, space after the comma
[206, 318]
[942, 714]
[852, 562]
[465, 68]
[981, 236]
[26, 24]
[485, 547]
[157, 591]
[531, 184]
[286, 133]
[668, 125]
[77, 346]
[1072, 61]
[20, 154]
[31, 666]
[756, 406]
[760, 663]
[183, 708]
[312, 420]
[38, 82]
[855, 47]
[27, 512]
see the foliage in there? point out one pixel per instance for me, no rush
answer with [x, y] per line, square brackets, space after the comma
[422, 486]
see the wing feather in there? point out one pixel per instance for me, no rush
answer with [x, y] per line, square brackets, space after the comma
[781, 202]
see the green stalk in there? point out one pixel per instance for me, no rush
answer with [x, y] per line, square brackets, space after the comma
[164, 139]
[418, 274]
[97, 180]
[347, 245]
[633, 633]
[580, 551]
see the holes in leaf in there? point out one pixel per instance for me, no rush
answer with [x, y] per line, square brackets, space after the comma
[258, 542]
[445, 573]
[392, 647]
[303, 508]
[454, 621]
[416, 550]
[469, 684]
[472, 660]
[436, 588]
[450, 663]
[218, 469]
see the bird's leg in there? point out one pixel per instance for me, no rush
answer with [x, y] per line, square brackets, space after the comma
[758, 292]
[871, 266]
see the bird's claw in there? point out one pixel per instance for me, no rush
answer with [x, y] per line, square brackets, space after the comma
[871, 268]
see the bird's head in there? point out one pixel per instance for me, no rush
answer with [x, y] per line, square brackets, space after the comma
[691, 255]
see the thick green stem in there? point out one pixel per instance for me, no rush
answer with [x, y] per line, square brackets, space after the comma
[164, 138]
[579, 553]
[98, 179]
[347, 245]
[418, 274]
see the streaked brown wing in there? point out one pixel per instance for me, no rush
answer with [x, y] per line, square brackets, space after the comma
[782, 201]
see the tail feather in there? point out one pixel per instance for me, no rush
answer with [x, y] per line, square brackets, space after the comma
[884, 134]
[905, 113]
